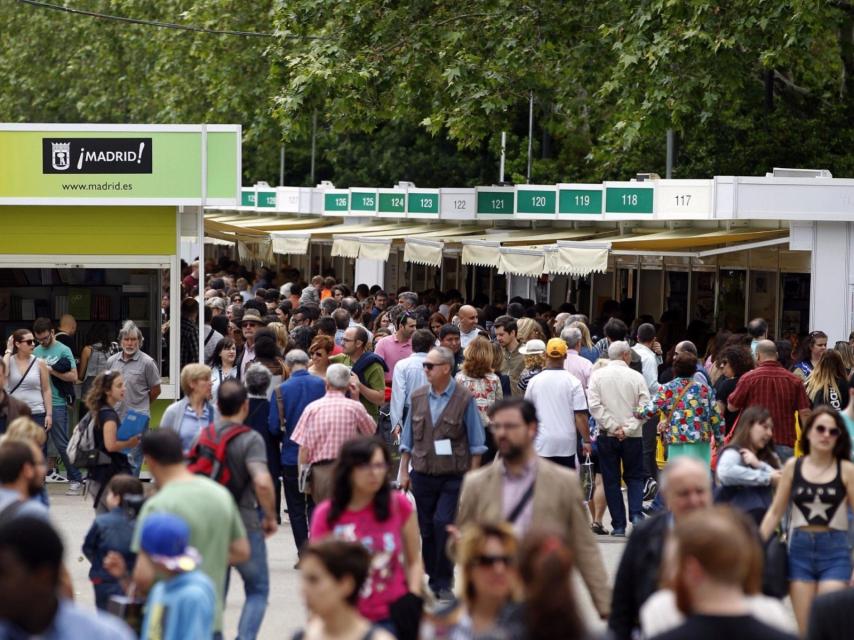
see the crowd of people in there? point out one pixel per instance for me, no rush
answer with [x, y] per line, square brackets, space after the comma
[444, 468]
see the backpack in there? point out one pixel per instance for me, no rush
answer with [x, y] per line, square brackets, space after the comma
[81, 449]
[208, 456]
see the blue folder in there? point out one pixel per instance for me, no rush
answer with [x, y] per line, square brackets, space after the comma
[133, 424]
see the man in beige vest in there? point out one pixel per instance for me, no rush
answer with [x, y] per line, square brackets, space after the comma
[528, 491]
[443, 437]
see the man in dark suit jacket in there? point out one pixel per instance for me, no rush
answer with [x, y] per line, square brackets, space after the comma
[832, 616]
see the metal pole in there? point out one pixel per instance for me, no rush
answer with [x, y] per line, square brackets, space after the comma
[313, 143]
[669, 170]
[282, 166]
[200, 222]
[530, 132]
[503, 150]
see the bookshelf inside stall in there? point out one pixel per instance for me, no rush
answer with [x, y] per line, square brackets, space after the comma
[92, 296]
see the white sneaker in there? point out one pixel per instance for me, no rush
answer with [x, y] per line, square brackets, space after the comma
[56, 477]
[74, 489]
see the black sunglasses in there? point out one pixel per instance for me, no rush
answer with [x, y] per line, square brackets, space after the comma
[30, 342]
[485, 560]
[429, 365]
[833, 432]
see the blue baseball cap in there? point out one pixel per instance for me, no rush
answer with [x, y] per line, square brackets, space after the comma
[166, 539]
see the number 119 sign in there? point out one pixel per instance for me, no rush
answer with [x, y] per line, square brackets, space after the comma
[579, 202]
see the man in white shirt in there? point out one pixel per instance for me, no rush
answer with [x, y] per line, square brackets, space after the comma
[561, 409]
[408, 376]
[614, 394]
[469, 330]
[648, 349]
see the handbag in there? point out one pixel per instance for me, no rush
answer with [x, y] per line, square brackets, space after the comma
[405, 612]
[775, 572]
[662, 432]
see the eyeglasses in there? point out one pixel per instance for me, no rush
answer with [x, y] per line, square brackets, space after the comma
[833, 432]
[30, 342]
[429, 365]
[373, 466]
[250, 324]
[485, 560]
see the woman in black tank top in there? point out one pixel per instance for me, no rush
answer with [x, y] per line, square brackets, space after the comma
[816, 490]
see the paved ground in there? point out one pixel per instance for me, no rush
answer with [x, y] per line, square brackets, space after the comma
[285, 613]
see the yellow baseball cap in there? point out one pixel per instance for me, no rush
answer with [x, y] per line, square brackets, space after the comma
[556, 348]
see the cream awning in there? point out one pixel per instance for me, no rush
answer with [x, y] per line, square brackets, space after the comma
[294, 244]
[571, 259]
[345, 248]
[522, 262]
[422, 251]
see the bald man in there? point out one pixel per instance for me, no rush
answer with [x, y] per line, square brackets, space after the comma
[66, 332]
[781, 392]
[685, 485]
[686, 346]
[467, 315]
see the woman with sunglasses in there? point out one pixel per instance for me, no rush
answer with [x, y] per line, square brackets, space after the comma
[108, 390]
[486, 557]
[27, 377]
[809, 354]
[818, 488]
[320, 351]
[363, 508]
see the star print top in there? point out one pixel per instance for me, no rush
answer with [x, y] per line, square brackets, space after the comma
[819, 504]
[694, 416]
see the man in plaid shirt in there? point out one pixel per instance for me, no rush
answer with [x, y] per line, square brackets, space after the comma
[324, 427]
[769, 385]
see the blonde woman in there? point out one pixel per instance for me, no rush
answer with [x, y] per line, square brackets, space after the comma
[828, 383]
[486, 557]
[194, 411]
[477, 376]
[535, 360]
[846, 352]
[586, 350]
[529, 329]
[281, 332]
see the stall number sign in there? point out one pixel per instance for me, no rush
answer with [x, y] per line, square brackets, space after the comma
[427, 203]
[628, 200]
[535, 202]
[267, 199]
[392, 203]
[580, 201]
[495, 202]
[362, 201]
[336, 202]
[247, 199]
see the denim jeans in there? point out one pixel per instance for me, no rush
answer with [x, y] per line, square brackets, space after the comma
[59, 434]
[784, 452]
[611, 453]
[135, 457]
[650, 444]
[436, 499]
[256, 586]
[296, 502]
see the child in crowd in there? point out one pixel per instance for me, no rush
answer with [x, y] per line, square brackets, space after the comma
[113, 531]
[182, 603]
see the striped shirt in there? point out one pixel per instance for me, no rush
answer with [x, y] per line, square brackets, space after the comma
[327, 423]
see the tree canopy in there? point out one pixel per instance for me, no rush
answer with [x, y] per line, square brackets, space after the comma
[420, 90]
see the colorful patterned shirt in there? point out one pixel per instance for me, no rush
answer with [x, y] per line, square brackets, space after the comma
[695, 416]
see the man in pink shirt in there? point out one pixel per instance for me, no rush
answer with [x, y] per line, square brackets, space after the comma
[577, 365]
[398, 345]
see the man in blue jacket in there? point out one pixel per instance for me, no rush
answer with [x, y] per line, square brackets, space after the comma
[286, 406]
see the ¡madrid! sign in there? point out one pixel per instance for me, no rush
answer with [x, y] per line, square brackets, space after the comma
[96, 155]
[50, 164]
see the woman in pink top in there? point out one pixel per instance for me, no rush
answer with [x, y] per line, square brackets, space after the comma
[364, 509]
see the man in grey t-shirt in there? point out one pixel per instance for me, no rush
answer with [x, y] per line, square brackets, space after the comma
[247, 460]
[141, 377]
